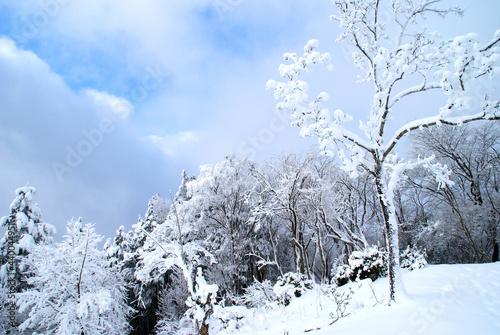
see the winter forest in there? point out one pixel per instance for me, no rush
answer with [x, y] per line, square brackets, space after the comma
[390, 225]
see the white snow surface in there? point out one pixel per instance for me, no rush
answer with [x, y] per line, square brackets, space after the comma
[442, 299]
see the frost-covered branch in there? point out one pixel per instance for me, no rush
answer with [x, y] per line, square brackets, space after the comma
[424, 87]
[436, 121]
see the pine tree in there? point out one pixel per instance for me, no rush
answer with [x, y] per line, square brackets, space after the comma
[25, 228]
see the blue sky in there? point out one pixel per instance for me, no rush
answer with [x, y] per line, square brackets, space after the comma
[141, 90]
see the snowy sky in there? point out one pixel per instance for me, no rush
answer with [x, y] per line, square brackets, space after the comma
[104, 102]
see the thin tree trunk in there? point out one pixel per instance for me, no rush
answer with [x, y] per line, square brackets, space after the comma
[392, 240]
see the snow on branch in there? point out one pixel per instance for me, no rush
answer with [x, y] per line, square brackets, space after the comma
[437, 120]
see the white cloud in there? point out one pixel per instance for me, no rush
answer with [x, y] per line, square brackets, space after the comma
[171, 145]
[118, 106]
[45, 122]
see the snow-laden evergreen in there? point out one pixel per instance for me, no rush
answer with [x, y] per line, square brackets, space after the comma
[29, 230]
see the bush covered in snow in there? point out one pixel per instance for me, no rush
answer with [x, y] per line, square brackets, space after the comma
[228, 318]
[369, 263]
[258, 294]
[291, 285]
[372, 263]
[413, 258]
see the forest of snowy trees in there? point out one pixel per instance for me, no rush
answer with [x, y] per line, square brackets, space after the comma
[241, 233]
[237, 228]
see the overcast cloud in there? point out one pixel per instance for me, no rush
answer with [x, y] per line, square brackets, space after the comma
[103, 103]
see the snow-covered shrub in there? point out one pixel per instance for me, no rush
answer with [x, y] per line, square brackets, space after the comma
[228, 318]
[369, 263]
[291, 285]
[413, 258]
[258, 294]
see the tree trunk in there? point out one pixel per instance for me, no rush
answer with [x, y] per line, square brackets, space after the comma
[392, 241]
[389, 240]
[495, 253]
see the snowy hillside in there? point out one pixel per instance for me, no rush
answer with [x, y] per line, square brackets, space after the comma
[442, 299]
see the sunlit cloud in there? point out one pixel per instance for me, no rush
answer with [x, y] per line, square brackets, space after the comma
[118, 106]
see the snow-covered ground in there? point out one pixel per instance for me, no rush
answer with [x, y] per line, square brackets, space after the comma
[441, 299]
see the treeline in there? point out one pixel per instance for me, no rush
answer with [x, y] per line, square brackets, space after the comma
[237, 223]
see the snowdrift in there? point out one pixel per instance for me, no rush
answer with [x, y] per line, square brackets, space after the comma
[441, 299]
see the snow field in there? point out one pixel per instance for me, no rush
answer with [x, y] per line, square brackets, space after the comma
[441, 299]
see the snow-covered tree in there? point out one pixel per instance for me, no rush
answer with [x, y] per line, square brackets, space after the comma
[182, 193]
[322, 213]
[212, 212]
[155, 215]
[468, 210]
[208, 226]
[281, 196]
[218, 199]
[124, 253]
[172, 303]
[25, 229]
[201, 304]
[117, 248]
[391, 56]
[174, 246]
[73, 288]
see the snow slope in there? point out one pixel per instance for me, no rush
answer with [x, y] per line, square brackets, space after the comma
[442, 299]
